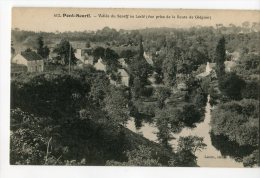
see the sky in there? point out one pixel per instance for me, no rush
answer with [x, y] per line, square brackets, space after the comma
[43, 19]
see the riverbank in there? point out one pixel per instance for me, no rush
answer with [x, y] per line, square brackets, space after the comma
[208, 157]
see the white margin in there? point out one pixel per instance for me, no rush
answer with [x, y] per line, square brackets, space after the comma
[7, 171]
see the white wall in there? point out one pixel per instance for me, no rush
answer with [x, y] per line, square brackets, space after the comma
[19, 59]
[100, 66]
[35, 66]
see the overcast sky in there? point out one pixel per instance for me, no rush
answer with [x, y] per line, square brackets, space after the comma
[42, 19]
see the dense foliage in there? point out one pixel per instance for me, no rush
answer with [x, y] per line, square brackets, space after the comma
[238, 121]
[75, 120]
[220, 57]
[79, 118]
[231, 85]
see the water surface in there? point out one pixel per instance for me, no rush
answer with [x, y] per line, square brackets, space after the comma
[208, 157]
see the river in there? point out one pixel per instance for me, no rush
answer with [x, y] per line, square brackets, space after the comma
[208, 157]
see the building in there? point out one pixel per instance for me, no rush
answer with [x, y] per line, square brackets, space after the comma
[84, 55]
[31, 60]
[229, 65]
[77, 54]
[122, 62]
[209, 70]
[148, 58]
[100, 65]
[124, 77]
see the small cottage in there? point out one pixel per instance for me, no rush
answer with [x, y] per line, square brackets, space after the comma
[148, 58]
[100, 65]
[84, 55]
[124, 77]
[122, 62]
[31, 60]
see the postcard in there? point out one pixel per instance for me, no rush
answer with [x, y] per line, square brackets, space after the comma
[134, 87]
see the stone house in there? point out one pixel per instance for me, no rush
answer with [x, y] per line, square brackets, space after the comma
[85, 55]
[31, 60]
[100, 65]
[124, 77]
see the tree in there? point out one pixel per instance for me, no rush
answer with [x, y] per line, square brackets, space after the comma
[169, 69]
[191, 143]
[168, 121]
[162, 94]
[169, 72]
[66, 52]
[137, 87]
[238, 122]
[127, 54]
[252, 159]
[140, 71]
[111, 60]
[142, 156]
[184, 159]
[251, 90]
[196, 58]
[99, 88]
[139, 68]
[29, 139]
[116, 106]
[42, 50]
[164, 131]
[235, 120]
[220, 57]
[200, 100]
[187, 147]
[190, 115]
[141, 48]
[231, 85]
[28, 50]
[48, 94]
[99, 52]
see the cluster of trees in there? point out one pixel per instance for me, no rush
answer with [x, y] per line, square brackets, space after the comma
[145, 156]
[236, 117]
[42, 49]
[92, 110]
[185, 154]
[109, 57]
[171, 120]
[237, 120]
[65, 53]
[78, 119]
[142, 156]
[156, 36]
[241, 82]
[55, 112]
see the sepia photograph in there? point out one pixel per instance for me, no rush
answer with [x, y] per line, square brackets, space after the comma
[134, 87]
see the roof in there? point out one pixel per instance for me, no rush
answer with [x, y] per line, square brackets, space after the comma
[212, 65]
[31, 56]
[123, 73]
[121, 60]
[148, 59]
[100, 61]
